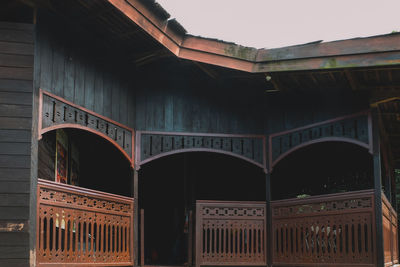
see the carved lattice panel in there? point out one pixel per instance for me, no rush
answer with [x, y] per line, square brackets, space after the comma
[59, 112]
[355, 127]
[326, 230]
[154, 144]
[83, 227]
[390, 233]
[230, 233]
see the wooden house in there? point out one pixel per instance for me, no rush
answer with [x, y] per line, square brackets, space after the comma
[124, 141]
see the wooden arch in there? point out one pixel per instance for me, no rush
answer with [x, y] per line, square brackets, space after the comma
[57, 113]
[355, 129]
[153, 145]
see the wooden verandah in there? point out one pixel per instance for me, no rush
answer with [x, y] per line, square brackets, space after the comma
[82, 227]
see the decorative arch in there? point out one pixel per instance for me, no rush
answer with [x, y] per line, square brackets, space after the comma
[355, 129]
[154, 145]
[57, 113]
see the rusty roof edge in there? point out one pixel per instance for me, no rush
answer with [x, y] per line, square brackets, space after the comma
[308, 56]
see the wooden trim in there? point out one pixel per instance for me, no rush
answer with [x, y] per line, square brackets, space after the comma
[201, 150]
[328, 197]
[368, 146]
[365, 112]
[202, 134]
[77, 126]
[139, 162]
[82, 190]
[358, 52]
[81, 127]
[85, 110]
[319, 140]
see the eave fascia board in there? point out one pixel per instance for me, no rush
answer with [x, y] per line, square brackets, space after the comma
[381, 50]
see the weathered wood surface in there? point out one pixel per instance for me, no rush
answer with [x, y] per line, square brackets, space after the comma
[16, 78]
[169, 96]
[73, 69]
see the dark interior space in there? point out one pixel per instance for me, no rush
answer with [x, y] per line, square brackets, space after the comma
[322, 168]
[171, 185]
[100, 165]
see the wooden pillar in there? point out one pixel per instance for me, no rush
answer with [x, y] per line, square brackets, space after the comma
[136, 217]
[269, 217]
[378, 190]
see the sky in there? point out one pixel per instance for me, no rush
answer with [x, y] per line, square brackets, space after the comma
[278, 23]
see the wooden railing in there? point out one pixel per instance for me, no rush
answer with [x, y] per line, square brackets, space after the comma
[390, 234]
[82, 227]
[230, 233]
[334, 230]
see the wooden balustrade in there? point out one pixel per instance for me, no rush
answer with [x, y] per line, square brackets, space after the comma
[230, 233]
[334, 230]
[82, 227]
[390, 234]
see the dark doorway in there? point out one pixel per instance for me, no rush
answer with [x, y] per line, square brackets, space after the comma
[322, 168]
[169, 188]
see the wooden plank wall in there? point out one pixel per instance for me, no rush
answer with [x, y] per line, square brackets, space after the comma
[168, 95]
[16, 79]
[285, 112]
[176, 97]
[73, 67]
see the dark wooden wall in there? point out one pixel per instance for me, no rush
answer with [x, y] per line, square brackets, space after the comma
[170, 95]
[16, 75]
[289, 111]
[71, 65]
[175, 96]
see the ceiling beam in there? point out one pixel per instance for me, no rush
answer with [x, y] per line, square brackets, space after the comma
[352, 81]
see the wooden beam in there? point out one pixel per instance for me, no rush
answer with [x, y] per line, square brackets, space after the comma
[351, 80]
[207, 70]
[136, 217]
[375, 104]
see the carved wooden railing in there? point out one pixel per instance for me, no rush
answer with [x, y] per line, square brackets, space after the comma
[334, 230]
[390, 234]
[82, 227]
[230, 233]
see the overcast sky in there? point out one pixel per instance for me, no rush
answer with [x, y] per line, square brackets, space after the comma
[277, 23]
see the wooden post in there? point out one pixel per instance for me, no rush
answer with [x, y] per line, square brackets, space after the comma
[136, 217]
[380, 260]
[269, 218]
[142, 263]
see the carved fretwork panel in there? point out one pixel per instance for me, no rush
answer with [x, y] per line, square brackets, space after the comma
[59, 112]
[230, 233]
[153, 144]
[329, 230]
[355, 128]
[82, 227]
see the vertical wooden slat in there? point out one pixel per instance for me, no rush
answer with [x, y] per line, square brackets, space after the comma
[92, 238]
[319, 239]
[54, 234]
[66, 231]
[47, 235]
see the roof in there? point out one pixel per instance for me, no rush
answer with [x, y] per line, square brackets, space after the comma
[380, 50]
[142, 33]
